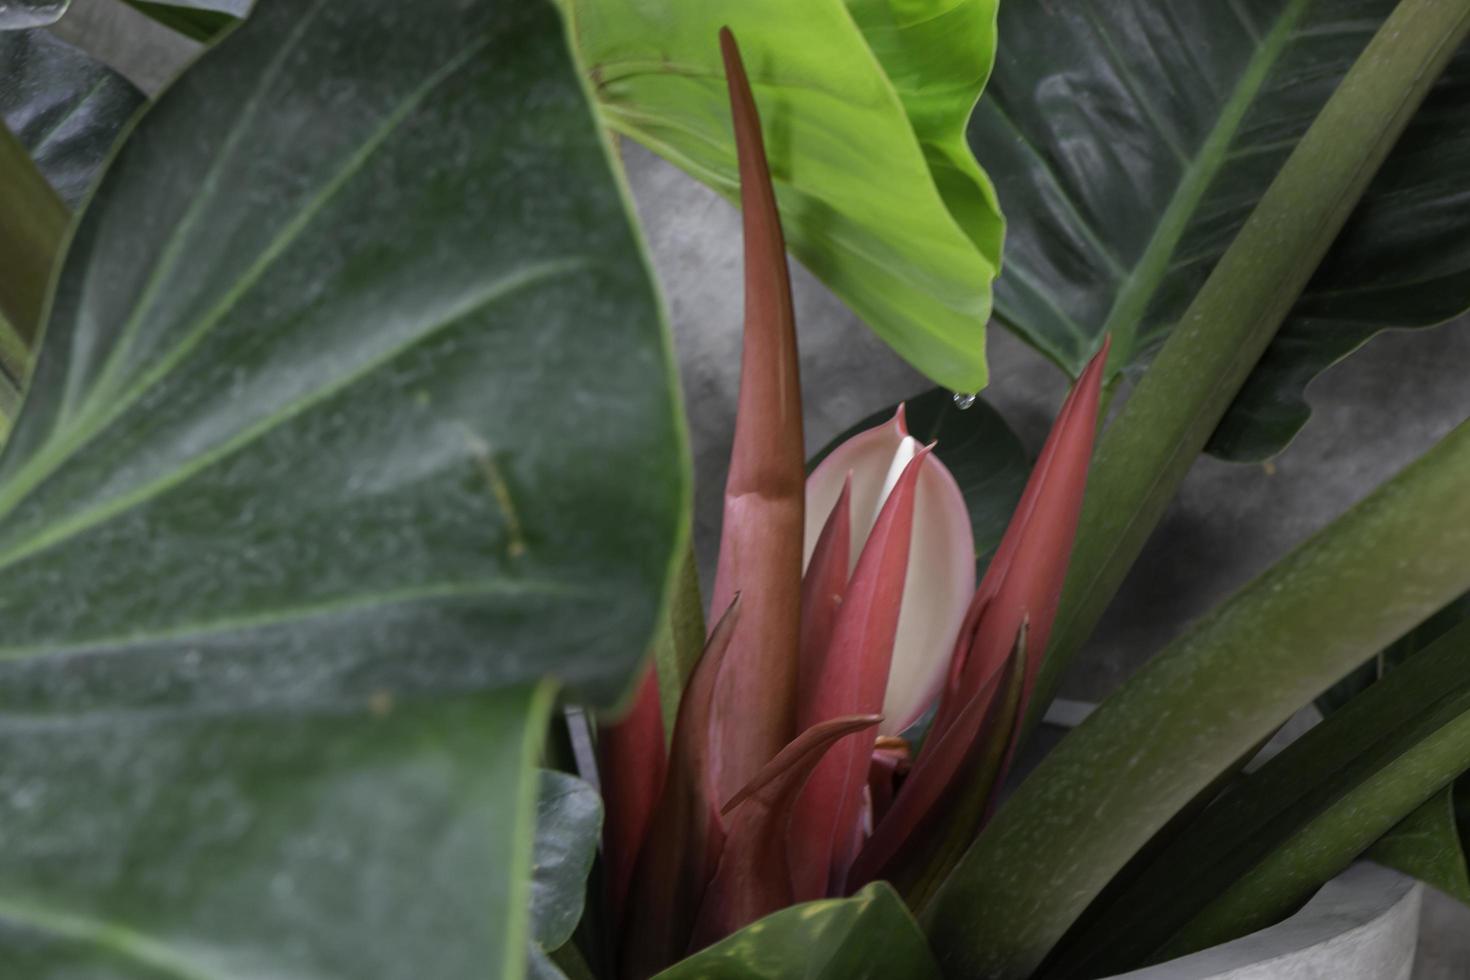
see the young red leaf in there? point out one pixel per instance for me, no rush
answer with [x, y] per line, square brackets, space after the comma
[761, 539]
[822, 590]
[682, 847]
[754, 876]
[631, 767]
[852, 679]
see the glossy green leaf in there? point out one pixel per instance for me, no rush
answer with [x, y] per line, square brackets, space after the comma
[32, 223]
[568, 827]
[1171, 412]
[1205, 700]
[987, 459]
[16, 15]
[1130, 141]
[877, 196]
[374, 841]
[349, 359]
[1281, 832]
[64, 107]
[201, 22]
[870, 936]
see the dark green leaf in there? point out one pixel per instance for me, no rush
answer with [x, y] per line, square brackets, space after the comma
[1426, 844]
[18, 15]
[1278, 834]
[376, 841]
[863, 106]
[1394, 655]
[32, 223]
[568, 827]
[1130, 141]
[987, 460]
[1207, 698]
[869, 936]
[348, 364]
[202, 20]
[65, 108]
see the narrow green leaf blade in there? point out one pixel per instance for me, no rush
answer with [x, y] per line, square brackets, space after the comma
[1426, 844]
[376, 841]
[870, 936]
[905, 233]
[349, 355]
[1197, 707]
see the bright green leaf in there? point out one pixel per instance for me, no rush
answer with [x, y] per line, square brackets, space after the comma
[350, 358]
[987, 459]
[870, 936]
[885, 209]
[1129, 147]
[373, 841]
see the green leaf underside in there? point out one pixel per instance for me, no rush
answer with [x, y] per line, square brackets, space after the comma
[1284, 830]
[905, 233]
[201, 23]
[870, 936]
[64, 107]
[986, 458]
[568, 827]
[1130, 141]
[293, 433]
[378, 842]
[17, 15]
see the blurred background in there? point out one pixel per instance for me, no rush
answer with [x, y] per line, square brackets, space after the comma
[1371, 415]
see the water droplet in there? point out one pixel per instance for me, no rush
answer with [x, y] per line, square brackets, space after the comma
[962, 401]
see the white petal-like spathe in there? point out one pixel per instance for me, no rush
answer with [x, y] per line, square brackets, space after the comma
[941, 572]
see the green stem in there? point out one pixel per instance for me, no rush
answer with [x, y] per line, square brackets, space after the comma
[1147, 751]
[1165, 424]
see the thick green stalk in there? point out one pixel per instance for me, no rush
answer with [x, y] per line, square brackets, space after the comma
[1146, 752]
[1165, 424]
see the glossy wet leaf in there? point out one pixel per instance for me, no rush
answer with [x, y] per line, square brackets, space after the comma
[876, 195]
[347, 359]
[980, 450]
[18, 15]
[376, 841]
[64, 107]
[568, 826]
[870, 936]
[1130, 141]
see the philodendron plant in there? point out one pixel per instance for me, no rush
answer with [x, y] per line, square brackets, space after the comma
[350, 622]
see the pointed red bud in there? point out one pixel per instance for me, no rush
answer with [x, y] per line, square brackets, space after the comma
[760, 544]
[852, 678]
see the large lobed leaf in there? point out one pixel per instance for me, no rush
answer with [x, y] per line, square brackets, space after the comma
[870, 936]
[1129, 143]
[377, 841]
[348, 363]
[863, 106]
[326, 396]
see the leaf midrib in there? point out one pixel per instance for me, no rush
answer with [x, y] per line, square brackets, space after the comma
[1147, 274]
[126, 943]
